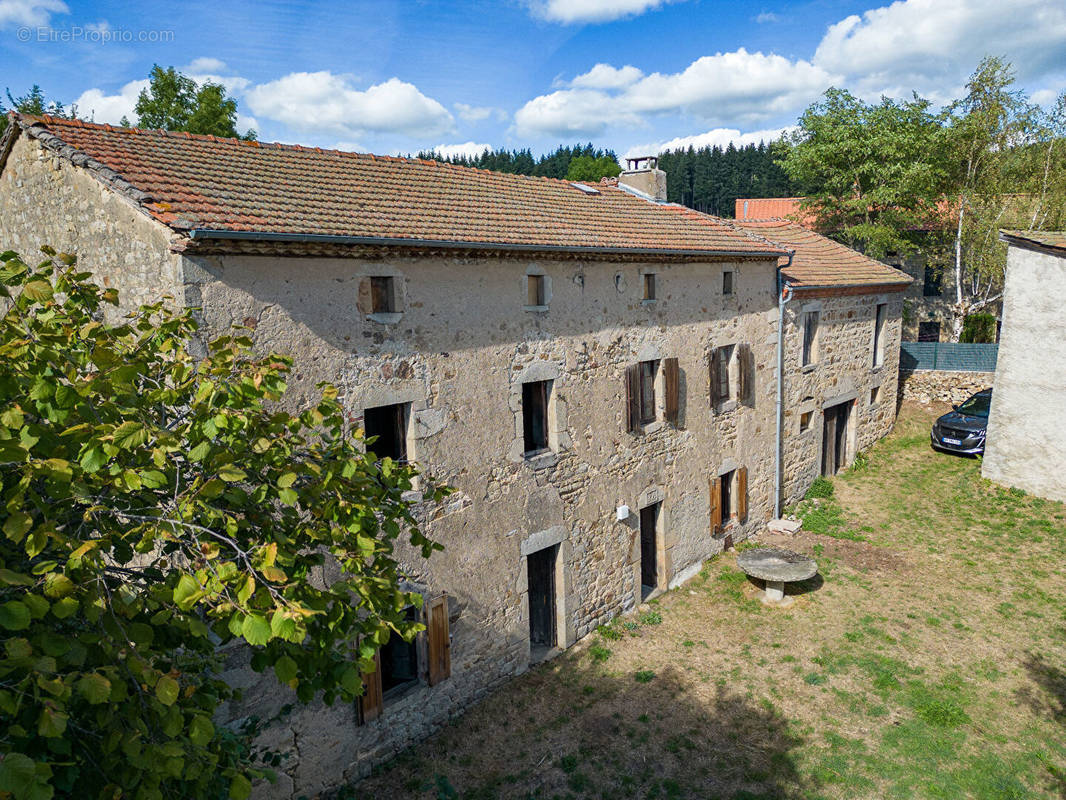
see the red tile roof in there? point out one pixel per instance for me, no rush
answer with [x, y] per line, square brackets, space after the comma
[205, 183]
[822, 262]
[774, 208]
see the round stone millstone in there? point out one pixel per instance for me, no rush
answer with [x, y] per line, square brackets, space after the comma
[778, 566]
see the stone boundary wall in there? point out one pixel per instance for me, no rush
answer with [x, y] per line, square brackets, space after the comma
[936, 386]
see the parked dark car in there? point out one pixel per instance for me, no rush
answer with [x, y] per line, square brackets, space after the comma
[962, 430]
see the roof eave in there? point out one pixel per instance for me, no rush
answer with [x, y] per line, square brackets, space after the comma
[870, 286]
[200, 234]
[1028, 244]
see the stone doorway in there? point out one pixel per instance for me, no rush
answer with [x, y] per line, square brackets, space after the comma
[649, 549]
[540, 569]
[835, 438]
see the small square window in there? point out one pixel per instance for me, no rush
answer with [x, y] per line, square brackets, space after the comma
[875, 395]
[805, 420]
[649, 286]
[536, 290]
[648, 369]
[535, 396]
[382, 295]
[389, 425]
[727, 283]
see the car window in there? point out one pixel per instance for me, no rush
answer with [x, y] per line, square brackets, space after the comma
[976, 406]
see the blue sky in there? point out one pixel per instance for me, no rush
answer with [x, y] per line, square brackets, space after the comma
[632, 75]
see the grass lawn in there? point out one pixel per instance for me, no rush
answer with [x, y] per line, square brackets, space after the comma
[928, 660]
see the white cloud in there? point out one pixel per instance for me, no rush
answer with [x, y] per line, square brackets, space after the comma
[469, 113]
[470, 149]
[718, 136]
[732, 86]
[94, 104]
[351, 147]
[726, 88]
[577, 11]
[604, 76]
[205, 64]
[585, 112]
[1046, 97]
[767, 16]
[932, 45]
[30, 13]
[326, 103]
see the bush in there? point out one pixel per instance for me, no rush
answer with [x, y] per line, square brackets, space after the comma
[822, 487]
[155, 506]
[978, 328]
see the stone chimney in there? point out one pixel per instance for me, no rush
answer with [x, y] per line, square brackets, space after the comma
[643, 174]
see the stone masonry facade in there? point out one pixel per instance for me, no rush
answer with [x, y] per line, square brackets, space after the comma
[843, 371]
[454, 352]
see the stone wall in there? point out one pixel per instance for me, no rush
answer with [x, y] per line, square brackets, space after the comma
[46, 200]
[843, 372]
[942, 386]
[458, 350]
[1024, 447]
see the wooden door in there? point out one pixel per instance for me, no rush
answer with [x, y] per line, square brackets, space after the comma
[540, 567]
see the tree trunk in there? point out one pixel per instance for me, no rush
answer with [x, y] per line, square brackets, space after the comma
[958, 309]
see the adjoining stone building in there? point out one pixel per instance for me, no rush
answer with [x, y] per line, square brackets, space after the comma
[928, 298]
[1024, 444]
[594, 370]
[843, 325]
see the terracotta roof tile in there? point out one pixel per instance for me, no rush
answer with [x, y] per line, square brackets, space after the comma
[820, 261]
[773, 208]
[211, 184]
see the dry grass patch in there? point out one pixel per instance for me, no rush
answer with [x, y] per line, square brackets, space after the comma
[928, 660]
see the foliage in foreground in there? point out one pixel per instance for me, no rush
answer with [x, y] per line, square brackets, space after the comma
[153, 508]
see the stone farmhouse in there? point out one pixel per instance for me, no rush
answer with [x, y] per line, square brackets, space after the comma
[1029, 390]
[594, 370]
[929, 297]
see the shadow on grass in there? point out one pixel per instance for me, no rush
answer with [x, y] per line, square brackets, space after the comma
[1051, 702]
[575, 729]
[794, 589]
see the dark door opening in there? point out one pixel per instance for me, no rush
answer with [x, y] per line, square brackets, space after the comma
[540, 567]
[835, 439]
[649, 549]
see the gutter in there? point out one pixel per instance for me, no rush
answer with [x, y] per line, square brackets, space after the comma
[784, 294]
[204, 234]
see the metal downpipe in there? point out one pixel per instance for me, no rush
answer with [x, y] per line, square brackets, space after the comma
[784, 294]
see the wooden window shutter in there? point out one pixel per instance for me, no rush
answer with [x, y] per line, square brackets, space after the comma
[439, 647]
[633, 398]
[713, 365]
[746, 362]
[671, 381]
[370, 703]
[742, 494]
[364, 301]
[716, 506]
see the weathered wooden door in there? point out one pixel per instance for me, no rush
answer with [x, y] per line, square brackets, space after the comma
[649, 550]
[835, 438]
[540, 567]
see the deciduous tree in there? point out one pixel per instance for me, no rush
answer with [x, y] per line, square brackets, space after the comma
[153, 507]
[175, 102]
